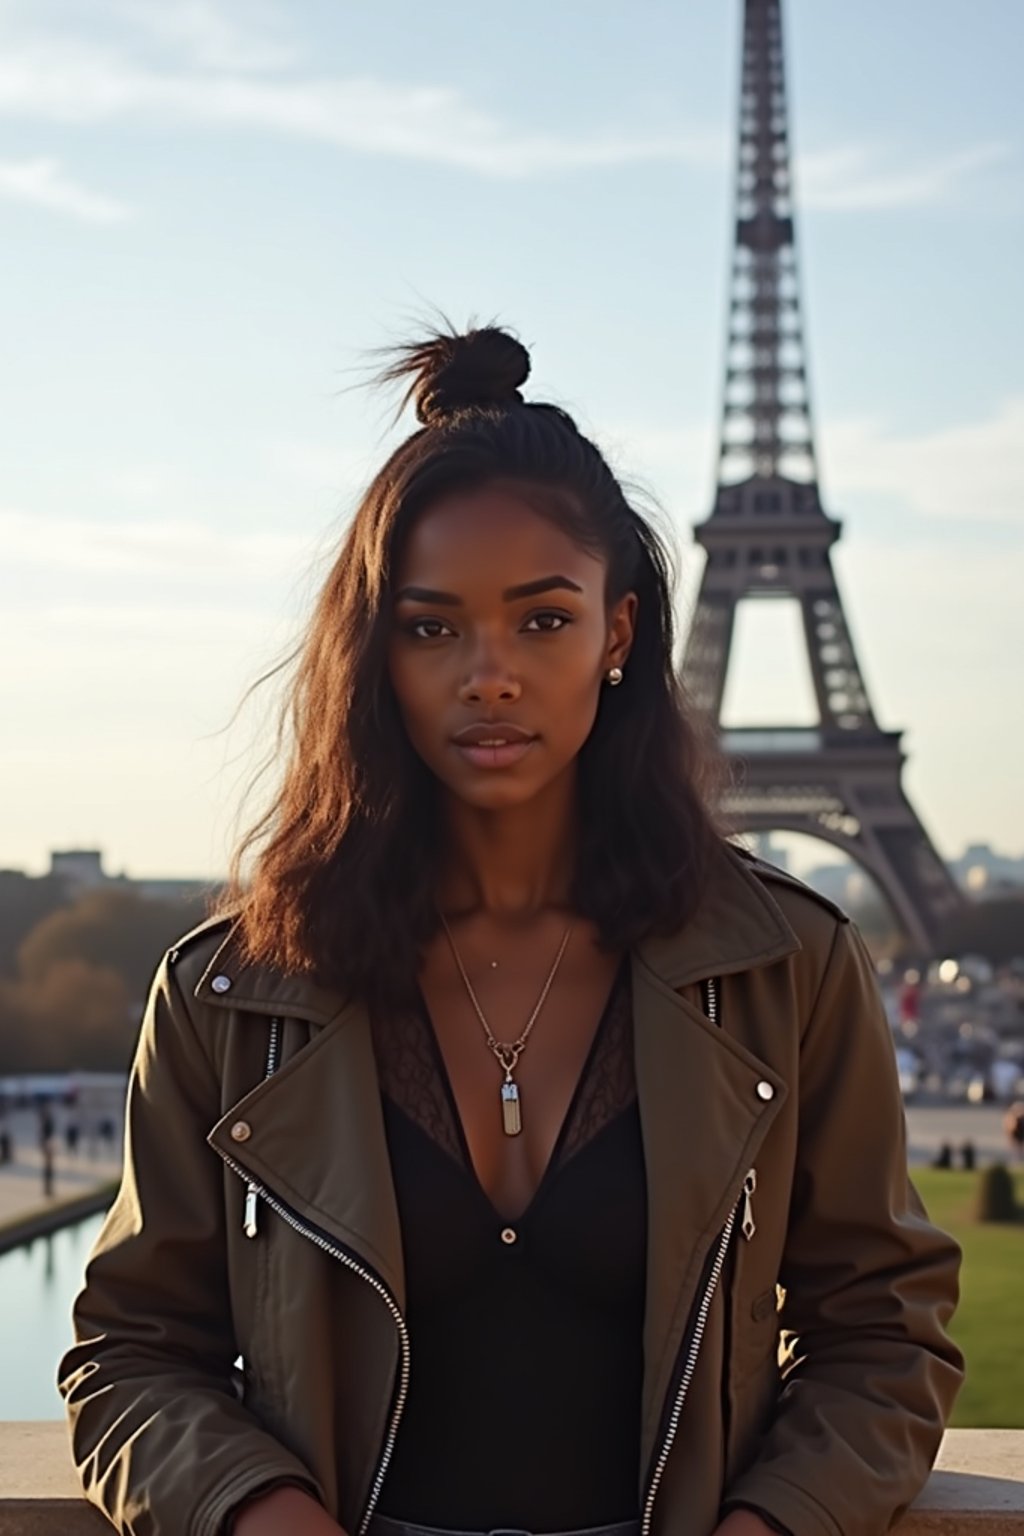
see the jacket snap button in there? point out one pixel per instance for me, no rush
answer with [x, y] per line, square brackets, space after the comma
[508, 1235]
[765, 1091]
[241, 1130]
[221, 983]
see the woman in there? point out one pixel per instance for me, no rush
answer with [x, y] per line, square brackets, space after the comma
[482, 1155]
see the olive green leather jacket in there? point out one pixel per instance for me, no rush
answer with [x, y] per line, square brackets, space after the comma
[794, 1345]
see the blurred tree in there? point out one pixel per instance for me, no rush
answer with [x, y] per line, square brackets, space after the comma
[117, 930]
[82, 975]
[24, 901]
[995, 1198]
[994, 929]
[78, 1016]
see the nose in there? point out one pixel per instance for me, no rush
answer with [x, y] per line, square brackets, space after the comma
[489, 689]
[489, 682]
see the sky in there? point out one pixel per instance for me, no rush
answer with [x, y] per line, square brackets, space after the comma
[211, 213]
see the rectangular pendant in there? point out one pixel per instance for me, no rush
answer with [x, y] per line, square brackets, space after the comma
[511, 1119]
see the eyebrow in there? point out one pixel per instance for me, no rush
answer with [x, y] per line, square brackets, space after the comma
[510, 594]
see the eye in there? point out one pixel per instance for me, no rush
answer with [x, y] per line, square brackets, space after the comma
[416, 628]
[545, 628]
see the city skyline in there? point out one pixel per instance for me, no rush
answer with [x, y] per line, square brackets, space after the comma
[211, 215]
[981, 870]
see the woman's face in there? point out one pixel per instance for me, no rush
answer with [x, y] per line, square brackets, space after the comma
[500, 634]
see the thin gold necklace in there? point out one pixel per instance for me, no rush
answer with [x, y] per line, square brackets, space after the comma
[507, 1053]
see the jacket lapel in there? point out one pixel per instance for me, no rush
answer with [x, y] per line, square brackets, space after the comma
[703, 1118]
[316, 1140]
[702, 1121]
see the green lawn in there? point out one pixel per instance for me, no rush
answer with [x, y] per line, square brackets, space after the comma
[989, 1324]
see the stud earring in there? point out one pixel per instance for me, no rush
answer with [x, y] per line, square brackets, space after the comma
[614, 676]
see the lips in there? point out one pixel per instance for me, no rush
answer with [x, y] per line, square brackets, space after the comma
[492, 733]
[493, 744]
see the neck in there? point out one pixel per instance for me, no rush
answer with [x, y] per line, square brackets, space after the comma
[511, 863]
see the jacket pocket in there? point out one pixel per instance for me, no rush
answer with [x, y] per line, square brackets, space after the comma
[755, 1336]
[751, 1380]
[752, 1398]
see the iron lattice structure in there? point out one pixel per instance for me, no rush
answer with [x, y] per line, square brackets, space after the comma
[768, 536]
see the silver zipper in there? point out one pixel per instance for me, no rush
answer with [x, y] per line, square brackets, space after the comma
[252, 1192]
[689, 1366]
[747, 1226]
[345, 1258]
[273, 1046]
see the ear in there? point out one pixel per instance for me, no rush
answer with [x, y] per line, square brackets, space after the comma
[621, 626]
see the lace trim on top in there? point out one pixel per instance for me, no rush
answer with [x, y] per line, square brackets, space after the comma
[412, 1075]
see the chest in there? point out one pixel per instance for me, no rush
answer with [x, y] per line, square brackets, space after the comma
[551, 1068]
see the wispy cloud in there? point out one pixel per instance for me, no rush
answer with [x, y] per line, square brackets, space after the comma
[213, 64]
[140, 623]
[41, 181]
[208, 34]
[857, 178]
[973, 472]
[970, 472]
[165, 548]
[66, 81]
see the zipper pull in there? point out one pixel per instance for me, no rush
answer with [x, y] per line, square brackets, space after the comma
[747, 1225]
[250, 1211]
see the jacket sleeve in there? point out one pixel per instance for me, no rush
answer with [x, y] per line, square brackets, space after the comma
[869, 1374]
[160, 1439]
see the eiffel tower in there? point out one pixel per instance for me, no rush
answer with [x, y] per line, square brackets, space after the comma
[768, 536]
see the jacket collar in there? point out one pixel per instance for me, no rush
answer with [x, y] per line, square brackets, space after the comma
[737, 927]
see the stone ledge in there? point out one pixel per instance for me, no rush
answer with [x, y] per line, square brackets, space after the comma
[977, 1488]
[42, 1220]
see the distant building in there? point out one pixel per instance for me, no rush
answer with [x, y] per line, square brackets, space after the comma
[980, 872]
[766, 847]
[843, 883]
[81, 870]
[985, 874]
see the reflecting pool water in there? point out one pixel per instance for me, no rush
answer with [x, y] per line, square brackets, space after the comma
[38, 1283]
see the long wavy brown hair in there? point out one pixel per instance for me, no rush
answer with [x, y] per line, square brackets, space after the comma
[345, 861]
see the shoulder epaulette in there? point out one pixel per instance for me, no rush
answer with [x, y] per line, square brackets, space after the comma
[211, 925]
[773, 874]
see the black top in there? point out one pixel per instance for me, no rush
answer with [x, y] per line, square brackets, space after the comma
[526, 1336]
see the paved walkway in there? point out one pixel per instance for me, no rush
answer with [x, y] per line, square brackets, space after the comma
[96, 1162]
[21, 1181]
[929, 1125]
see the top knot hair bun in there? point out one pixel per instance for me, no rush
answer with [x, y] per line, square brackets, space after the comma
[452, 372]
